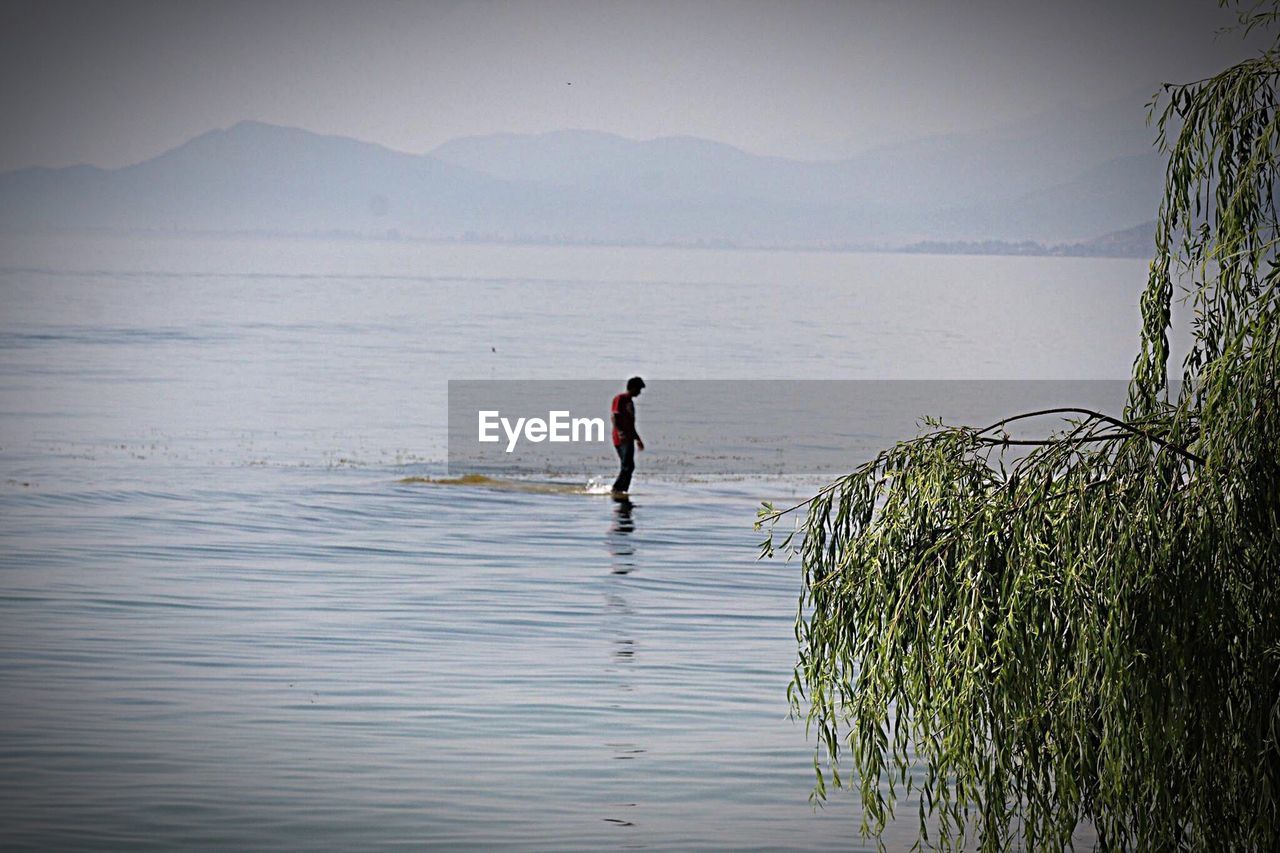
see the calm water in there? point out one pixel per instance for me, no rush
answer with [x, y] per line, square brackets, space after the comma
[227, 623]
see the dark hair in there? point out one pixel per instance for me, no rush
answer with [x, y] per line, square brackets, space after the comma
[635, 383]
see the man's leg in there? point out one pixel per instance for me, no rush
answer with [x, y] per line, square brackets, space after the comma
[627, 454]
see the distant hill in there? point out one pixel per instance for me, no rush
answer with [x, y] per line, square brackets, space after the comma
[1105, 198]
[956, 171]
[1136, 242]
[1063, 176]
[259, 177]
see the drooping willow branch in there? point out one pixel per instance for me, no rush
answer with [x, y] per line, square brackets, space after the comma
[1130, 429]
[1128, 426]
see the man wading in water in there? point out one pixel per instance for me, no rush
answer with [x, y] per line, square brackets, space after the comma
[625, 438]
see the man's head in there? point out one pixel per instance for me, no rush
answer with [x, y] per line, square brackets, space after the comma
[634, 384]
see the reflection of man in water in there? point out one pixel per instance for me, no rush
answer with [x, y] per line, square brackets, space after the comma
[625, 438]
[621, 547]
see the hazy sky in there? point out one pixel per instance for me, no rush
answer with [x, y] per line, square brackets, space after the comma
[111, 83]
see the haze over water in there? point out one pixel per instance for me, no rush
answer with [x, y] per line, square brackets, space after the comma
[228, 623]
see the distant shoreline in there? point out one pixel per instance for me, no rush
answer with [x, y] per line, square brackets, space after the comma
[1100, 248]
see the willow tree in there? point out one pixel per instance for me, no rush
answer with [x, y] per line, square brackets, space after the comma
[1029, 636]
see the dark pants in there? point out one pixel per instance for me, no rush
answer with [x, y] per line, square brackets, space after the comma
[627, 453]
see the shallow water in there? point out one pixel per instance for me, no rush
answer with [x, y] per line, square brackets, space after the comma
[229, 622]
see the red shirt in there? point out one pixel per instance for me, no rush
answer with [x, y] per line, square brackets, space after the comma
[624, 419]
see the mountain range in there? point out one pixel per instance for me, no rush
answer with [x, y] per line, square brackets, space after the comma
[1065, 175]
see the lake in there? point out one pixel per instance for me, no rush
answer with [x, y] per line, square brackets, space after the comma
[228, 623]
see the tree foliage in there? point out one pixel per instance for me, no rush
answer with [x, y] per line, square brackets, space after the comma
[1085, 630]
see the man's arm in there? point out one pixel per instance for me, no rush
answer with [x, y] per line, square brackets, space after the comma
[634, 432]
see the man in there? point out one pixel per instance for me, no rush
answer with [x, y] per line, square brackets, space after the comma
[625, 438]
